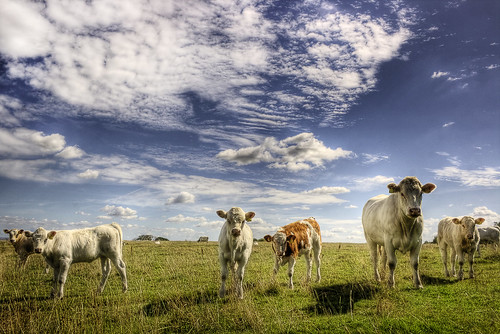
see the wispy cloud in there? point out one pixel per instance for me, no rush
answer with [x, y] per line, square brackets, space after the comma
[439, 74]
[445, 125]
[371, 183]
[369, 159]
[484, 177]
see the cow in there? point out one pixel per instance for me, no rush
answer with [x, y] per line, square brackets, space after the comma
[488, 235]
[302, 237]
[461, 235]
[394, 222]
[62, 248]
[235, 247]
[23, 245]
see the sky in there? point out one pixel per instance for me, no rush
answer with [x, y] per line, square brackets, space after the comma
[155, 114]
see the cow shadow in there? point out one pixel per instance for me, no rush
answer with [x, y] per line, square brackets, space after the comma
[179, 302]
[430, 280]
[341, 298]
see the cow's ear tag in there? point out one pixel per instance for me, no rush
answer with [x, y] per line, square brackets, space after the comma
[52, 234]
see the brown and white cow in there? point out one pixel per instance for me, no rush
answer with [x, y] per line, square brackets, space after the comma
[461, 235]
[62, 248]
[22, 244]
[395, 222]
[302, 237]
[235, 246]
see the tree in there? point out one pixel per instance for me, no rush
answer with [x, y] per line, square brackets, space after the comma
[146, 237]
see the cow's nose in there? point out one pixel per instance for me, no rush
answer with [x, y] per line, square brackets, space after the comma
[415, 212]
[38, 250]
[236, 232]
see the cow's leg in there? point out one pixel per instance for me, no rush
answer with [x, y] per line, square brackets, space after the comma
[122, 270]
[291, 267]
[414, 254]
[308, 257]
[23, 258]
[383, 265]
[105, 270]
[317, 261]
[478, 250]
[374, 255]
[223, 275]
[443, 249]
[453, 260]
[471, 262]
[240, 272]
[392, 262]
[63, 274]
[55, 279]
[461, 259]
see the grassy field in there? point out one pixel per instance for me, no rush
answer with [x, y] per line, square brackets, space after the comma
[173, 288]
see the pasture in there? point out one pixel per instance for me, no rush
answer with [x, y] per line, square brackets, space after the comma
[173, 287]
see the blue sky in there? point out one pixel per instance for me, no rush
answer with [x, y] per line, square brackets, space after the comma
[155, 114]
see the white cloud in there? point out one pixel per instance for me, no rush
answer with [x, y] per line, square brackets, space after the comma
[71, 152]
[327, 191]
[89, 174]
[300, 152]
[282, 197]
[445, 125]
[374, 158]
[21, 142]
[484, 177]
[371, 183]
[181, 219]
[119, 211]
[182, 198]
[490, 216]
[439, 74]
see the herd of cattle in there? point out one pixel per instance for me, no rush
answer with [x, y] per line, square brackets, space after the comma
[390, 222]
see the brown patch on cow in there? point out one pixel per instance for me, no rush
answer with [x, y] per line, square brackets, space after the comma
[297, 237]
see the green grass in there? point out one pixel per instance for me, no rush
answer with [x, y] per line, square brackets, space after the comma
[173, 287]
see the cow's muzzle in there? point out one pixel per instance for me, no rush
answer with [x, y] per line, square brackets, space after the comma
[415, 212]
[470, 236]
[235, 232]
[38, 250]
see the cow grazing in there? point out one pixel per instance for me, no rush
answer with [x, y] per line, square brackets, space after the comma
[23, 245]
[235, 247]
[488, 235]
[462, 237]
[293, 240]
[62, 248]
[395, 222]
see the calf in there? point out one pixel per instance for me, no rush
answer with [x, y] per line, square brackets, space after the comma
[294, 240]
[235, 247]
[395, 222]
[488, 235]
[23, 245]
[462, 237]
[62, 248]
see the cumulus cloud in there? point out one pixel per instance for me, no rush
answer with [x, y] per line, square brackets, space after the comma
[22, 142]
[118, 211]
[483, 177]
[489, 215]
[181, 198]
[71, 152]
[89, 174]
[300, 152]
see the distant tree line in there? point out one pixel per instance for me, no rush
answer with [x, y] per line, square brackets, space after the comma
[149, 237]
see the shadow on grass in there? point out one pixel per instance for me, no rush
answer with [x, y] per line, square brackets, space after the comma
[180, 302]
[429, 280]
[340, 298]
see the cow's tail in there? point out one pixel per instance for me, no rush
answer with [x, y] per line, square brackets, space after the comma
[119, 229]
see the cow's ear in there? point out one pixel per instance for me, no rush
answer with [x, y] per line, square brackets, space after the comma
[6, 231]
[268, 238]
[222, 214]
[28, 233]
[393, 188]
[479, 221]
[428, 188]
[291, 237]
[249, 216]
[20, 232]
[456, 221]
[51, 235]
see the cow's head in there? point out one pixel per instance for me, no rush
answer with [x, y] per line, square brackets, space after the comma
[468, 225]
[40, 238]
[410, 192]
[235, 219]
[281, 242]
[13, 234]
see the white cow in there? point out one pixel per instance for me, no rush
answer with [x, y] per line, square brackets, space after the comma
[462, 237]
[395, 222]
[488, 235]
[62, 248]
[235, 246]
